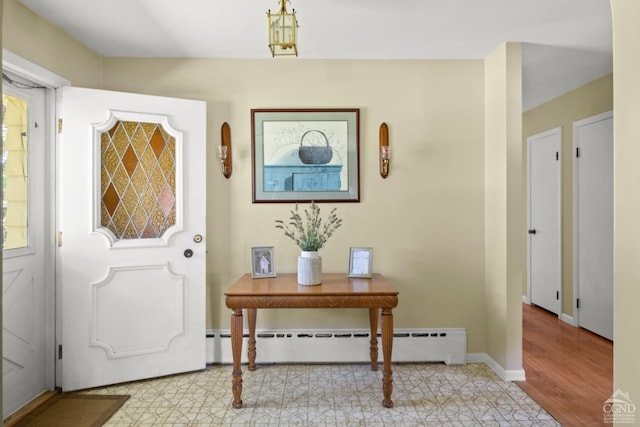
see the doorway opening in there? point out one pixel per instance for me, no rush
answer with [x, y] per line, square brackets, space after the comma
[28, 224]
[23, 254]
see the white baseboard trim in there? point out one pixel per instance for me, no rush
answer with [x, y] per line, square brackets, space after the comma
[568, 319]
[506, 375]
[564, 317]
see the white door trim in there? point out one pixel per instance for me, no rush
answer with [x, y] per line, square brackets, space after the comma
[530, 139]
[52, 82]
[31, 71]
[576, 266]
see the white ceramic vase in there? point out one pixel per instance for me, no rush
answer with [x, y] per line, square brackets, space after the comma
[309, 268]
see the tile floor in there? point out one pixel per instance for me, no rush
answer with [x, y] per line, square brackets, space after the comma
[329, 395]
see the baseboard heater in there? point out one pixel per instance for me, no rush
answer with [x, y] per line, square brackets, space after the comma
[448, 345]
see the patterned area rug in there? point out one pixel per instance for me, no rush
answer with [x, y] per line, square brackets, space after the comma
[72, 409]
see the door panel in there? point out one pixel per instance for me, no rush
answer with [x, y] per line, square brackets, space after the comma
[23, 280]
[133, 305]
[593, 223]
[544, 220]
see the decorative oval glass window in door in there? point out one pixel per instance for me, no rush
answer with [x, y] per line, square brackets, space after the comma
[138, 180]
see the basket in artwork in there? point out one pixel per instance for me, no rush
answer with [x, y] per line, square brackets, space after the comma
[318, 154]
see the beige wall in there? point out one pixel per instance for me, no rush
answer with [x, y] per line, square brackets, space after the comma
[626, 69]
[30, 37]
[424, 222]
[593, 98]
[504, 206]
[432, 244]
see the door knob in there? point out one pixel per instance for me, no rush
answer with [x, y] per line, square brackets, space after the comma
[188, 253]
[532, 231]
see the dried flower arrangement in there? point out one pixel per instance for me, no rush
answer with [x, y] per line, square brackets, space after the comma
[311, 233]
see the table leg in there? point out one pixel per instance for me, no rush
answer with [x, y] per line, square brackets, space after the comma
[236, 349]
[387, 345]
[373, 349]
[251, 319]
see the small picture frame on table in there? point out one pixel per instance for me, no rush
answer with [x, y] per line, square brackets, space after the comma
[262, 262]
[360, 262]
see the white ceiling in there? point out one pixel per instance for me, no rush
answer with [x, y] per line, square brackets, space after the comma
[566, 42]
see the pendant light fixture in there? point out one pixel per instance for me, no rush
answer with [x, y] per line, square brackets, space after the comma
[283, 31]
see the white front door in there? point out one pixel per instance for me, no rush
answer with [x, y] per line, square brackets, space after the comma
[23, 278]
[544, 219]
[593, 223]
[132, 255]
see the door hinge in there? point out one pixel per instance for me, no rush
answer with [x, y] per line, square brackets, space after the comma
[577, 151]
[59, 239]
[557, 295]
[577, 302]
[59, 351]
[557, 155]
[59, 125]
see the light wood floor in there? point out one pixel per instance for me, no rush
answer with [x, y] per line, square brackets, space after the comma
[569, 370]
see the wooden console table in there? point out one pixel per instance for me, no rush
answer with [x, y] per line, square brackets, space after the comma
[336, 291]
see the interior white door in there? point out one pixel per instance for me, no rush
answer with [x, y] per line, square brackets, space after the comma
[544, 241]
[132, 214]
[23, 278]
[593, 223]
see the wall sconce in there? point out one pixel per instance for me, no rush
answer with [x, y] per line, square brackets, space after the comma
[224, 150]
[384, 150]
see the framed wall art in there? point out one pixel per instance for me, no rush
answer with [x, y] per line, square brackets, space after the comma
[304, 155]
[263, 262]
[360, 262]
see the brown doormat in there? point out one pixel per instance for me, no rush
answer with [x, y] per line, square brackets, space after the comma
[72, 409]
